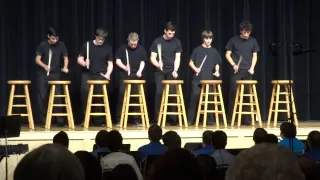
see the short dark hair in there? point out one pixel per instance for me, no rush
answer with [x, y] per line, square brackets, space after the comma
[101, 32]
[91, 165]
[288, 130]
[114, 140]
[155, 133]
[171, 140]
[246, 26]
[258, 135]
[101, 138]
[314, 139]
[207, 34]
[170, 26]
[207, 137]
[52, 32]
[219, 139]
[61, 138]
[270, 138]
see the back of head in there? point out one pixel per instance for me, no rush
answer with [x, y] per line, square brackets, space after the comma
[101, 138]
[155, 133]
[207, 137]
[265, 162]
[288, 130]
[207, 164]
[258, 135]
[90, 164]
[314, 140]
[123, 172]
[50, 162]
[61, 138]
[270, 138]
[219, 139]
[171, 140]
[114, 141]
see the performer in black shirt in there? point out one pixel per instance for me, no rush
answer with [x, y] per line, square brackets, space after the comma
[167, 65]
[205, 62]
[48, 59]
[242, 47]
[131, 59]
[96, 58]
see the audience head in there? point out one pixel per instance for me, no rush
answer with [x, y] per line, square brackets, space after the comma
[270, 138]
[61, 138]
[101, 138]
[207, 165]
[258, 135]
[265, 162]
[91, 165]
[171, 140]
[114, 141]
[219, 139]
[50, 162]
[314, 140]
[123, 172]
[207, 137]
[288, 130]
[155, 133]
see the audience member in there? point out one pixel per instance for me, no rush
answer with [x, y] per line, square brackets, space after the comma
[123, 172]
[270, 138]
[206, 144]
[288, 135]
[91, 166]
[220, 154]
[62, 139]
[313, 141]
[258, 135]
[171, 140]
[101, 143]
[208, 166]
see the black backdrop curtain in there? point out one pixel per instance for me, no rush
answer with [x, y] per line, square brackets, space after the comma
[24, 25]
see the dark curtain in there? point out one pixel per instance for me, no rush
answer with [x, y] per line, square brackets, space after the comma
[24, 25]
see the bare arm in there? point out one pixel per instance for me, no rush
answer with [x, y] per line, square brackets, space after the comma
[66, 61]
[153, 59]
[81, 61]
[141, 67]
[217, 68]
[110, 67]
[229, 58]
[177, 61]
[254, 60]
[191, 64]
[40, 63]
[120, 64]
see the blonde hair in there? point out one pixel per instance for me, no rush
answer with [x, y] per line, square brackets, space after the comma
[133, 36]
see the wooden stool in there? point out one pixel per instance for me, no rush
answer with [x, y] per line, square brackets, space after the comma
[67, 103]
[276, 92]
[253, 101]
[180, 102]
[106, 106]
[126, 103]
[26, 96]
[204, 101]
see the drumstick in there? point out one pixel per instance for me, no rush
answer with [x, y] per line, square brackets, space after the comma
[128, 61]
[159, 53]
[239, 62]
[88, 53]
[49, 63]
[204, 59]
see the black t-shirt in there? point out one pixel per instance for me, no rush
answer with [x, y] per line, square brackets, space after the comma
[98, 56]
[208, 67]
[135, 56]
[244, 47]
[58, 50]
[169, 48]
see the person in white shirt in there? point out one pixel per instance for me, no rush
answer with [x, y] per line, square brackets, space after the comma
[110, 161]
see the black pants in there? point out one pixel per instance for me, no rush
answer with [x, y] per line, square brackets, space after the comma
[158, 77]
[242, 74]
[43, 90]
[97, 90]
[194, 101]
[134, 90]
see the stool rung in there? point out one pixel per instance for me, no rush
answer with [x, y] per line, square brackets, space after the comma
[246, 113]
[20, 114]
[98, 114]
[19, 96]
[59, 105]
[59, 114]
[280, 110]
[98, 95]
[247, 104]
[282, 93]
[248, 95]
[210, 94]
[135, 95]
[211, 102]
[172, 104]
[173, 113]
[173, 95]
[60, 95]
[135, 113]
[211, 111]
[19, 105]
[135, 104]
[282, 102]
[98, 105]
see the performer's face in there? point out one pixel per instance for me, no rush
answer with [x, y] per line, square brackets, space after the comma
[52, 39]
[133, 44]
[245, 34]
[100, 40]
[169, 34]
[207, 41]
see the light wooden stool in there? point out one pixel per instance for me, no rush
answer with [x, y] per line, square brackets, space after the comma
[276, 92]
[67, 103]
[26, 96]
[180, 102]
[106, 106]
[126, 103]
[253, 101]
[204, 101]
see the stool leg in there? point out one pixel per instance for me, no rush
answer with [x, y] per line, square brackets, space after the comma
[88, 109]
[205, 113]
[183, 106]
[123, 110]
[69, 107]
[11, 97]
[106, 106]
[216, 108]
[222, 106]
[50, 107]
[257, 105]
[179, 106]
[240, 104]
[165, 105]
[127, 106]
[200, 105]
[252, 105]
[142, 112]
[271, 104]
[286, 87]
[29, 109]
[144, 105]
[277, 106]
[235, 105]
[294, 108]
[162, 105]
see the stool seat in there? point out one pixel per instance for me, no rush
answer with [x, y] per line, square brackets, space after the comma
[59, 82]
[20, 82]
[281, 82]
[98, 82]
[134, 81]
[211, 81]
[172, 81]
[247, 82]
